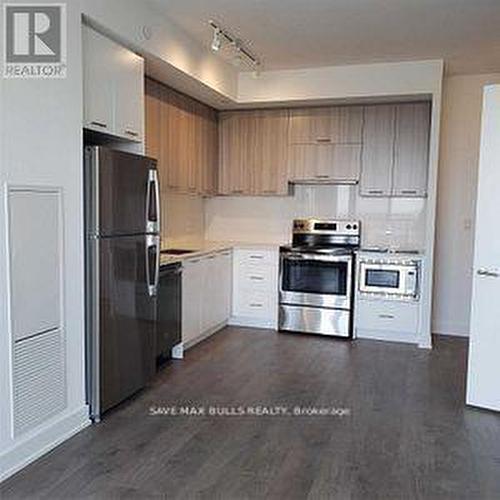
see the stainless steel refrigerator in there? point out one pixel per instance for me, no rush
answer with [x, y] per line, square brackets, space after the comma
[122, 220]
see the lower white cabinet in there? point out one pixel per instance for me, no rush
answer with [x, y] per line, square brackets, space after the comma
[255, 287]
[395, 320]
[206, 295]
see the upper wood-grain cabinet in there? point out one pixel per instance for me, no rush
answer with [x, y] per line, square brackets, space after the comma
[378, 150]
[324, 162]
[270, 153]
[152, 102]
[325, 144]
[395, 150]
[328, 125]
[182, 135]
[411, 150]
[113, 87]
[253, 152]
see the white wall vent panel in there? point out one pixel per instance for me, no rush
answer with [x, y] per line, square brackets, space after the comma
[35, 254]
[39, 381]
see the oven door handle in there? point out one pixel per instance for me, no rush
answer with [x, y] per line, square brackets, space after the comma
[323, 258]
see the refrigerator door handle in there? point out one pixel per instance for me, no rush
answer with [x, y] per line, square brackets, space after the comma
[152, 264]
[157, 200]
[153, 203]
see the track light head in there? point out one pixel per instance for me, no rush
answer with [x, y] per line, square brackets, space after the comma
[217, 40]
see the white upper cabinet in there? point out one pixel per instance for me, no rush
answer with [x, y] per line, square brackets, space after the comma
[113, 87]
[97, 81]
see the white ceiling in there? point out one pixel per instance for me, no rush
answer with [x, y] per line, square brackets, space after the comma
[289, 34]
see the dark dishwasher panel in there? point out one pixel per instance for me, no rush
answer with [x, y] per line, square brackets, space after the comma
[169, 310]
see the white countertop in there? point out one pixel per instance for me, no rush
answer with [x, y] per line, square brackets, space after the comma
[207, 247]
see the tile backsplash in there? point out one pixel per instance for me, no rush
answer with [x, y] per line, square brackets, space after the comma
[183, 219]
[394, 222]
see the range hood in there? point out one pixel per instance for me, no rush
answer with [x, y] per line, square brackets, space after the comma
[325, 181]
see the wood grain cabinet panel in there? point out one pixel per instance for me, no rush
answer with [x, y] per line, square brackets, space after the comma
[253, 153]
[325, 162]
[411, 151]
[182, 134]
[328, 125]
[270, 153]
[395, 154]
[152, 101]
[237, 133]
[378, 150]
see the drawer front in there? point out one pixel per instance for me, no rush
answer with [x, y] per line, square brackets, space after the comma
[253, 258]
[333, 322]
[387, 315]
[254, 303]
[256, 278]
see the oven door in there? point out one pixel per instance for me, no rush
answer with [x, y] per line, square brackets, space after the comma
[316, 280]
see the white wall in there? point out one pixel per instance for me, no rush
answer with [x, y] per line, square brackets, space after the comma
[172, 56]
[41, 144]
[342, 82]
[458, 168]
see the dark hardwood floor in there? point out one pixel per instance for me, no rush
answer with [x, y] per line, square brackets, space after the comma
[408, 435]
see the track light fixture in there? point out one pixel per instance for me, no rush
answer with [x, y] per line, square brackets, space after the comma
[241, 53]
[217, 40]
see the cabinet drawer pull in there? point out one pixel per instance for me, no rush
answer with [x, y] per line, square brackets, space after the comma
[323, 140]
[256, 305]
[375, 191]
[256, 278]
[322, 176]
[99, 124]
[409, 191]
[256, 257]
[131, 133]
[386, 316]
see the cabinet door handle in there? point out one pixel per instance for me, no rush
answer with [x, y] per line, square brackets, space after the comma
[322, 176]
[323, 140]
[257, 257]
[386, 316]
[99, 124]
[409, 191]
[131, 133]
[487, 273]
[256, 305]
[375, 191]
[256, 278]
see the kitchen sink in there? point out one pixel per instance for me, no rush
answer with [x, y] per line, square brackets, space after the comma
[177, 251]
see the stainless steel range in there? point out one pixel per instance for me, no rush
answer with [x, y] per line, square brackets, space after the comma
[317, 277]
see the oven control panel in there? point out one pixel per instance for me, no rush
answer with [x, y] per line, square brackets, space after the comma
[322, 226]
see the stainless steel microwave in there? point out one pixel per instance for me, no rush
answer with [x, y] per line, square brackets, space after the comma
[389, 278]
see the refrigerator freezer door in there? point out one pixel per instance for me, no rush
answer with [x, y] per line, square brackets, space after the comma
[122, 193]
[123, 319]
